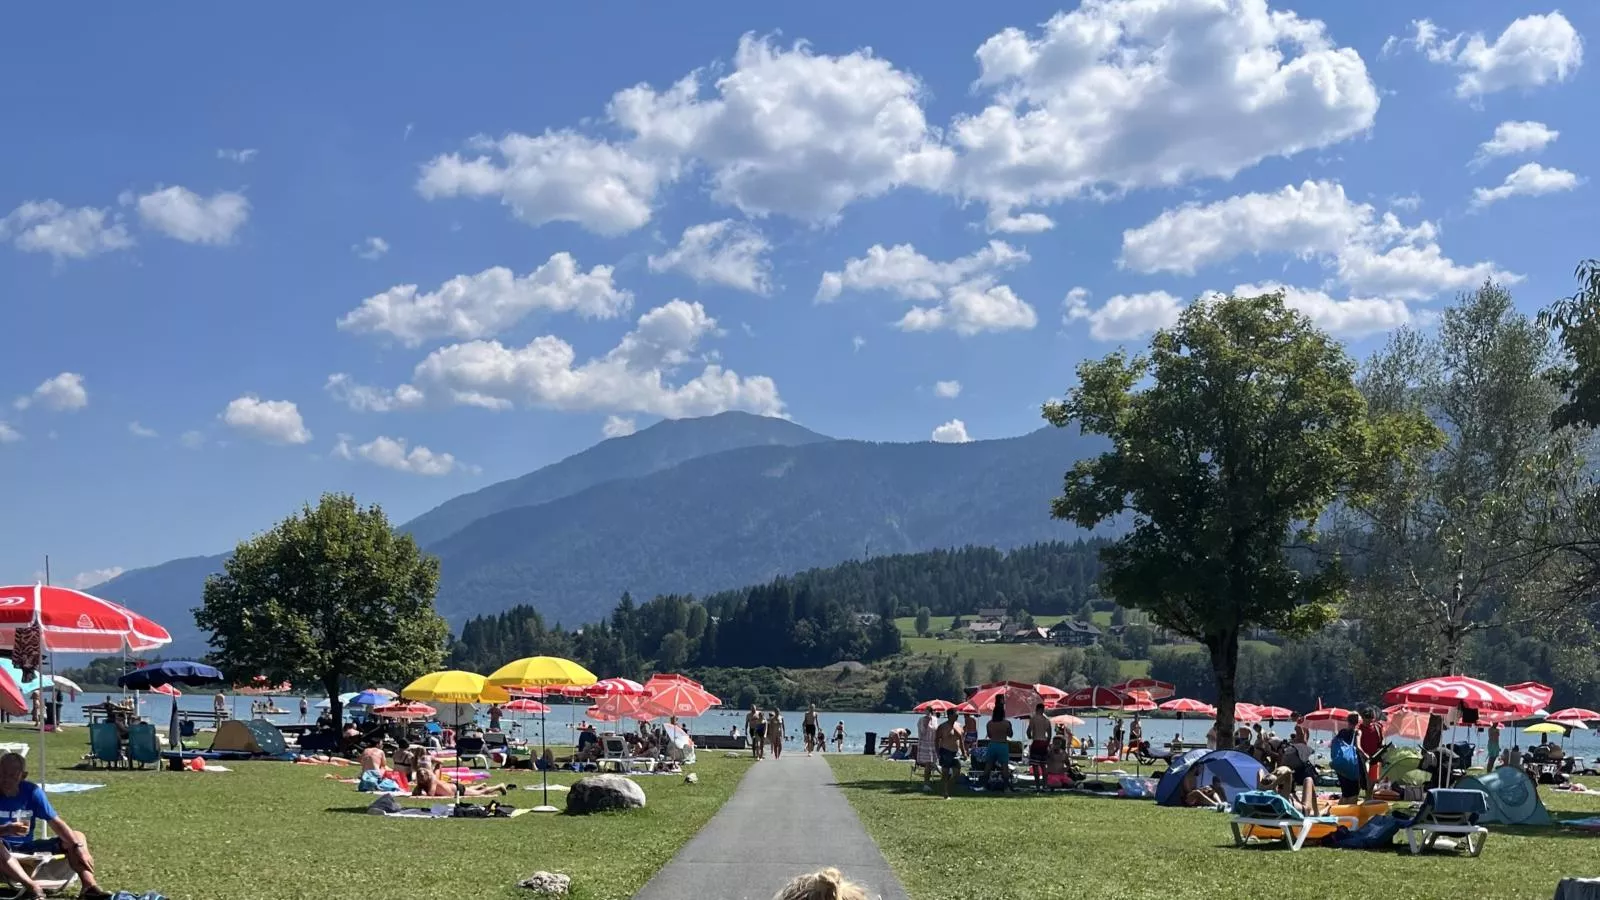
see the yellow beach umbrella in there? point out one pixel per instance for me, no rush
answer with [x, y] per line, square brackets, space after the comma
[453, 686]
[1545, 728]
[542, 671]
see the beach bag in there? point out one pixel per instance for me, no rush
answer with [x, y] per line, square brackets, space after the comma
[1346, 761]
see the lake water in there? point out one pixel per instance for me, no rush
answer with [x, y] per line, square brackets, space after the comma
[560, 723]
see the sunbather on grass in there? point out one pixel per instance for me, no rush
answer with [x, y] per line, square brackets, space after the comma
[429, 784]
[1211, 795]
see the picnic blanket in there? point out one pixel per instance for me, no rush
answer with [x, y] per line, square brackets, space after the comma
[70, 787]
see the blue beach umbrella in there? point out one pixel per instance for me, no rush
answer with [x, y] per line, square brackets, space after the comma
[372, 697]
[155, 675]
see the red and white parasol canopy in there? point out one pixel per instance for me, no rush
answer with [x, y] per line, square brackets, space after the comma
[1067, 720]
[167, 689]
[1158, 690]
[1574, 714]
[1049, 694]
[614, 687]
[404, 711]
[76, 622]
[1018, 699]
[1096, 697]
[525, 705]
[1246, 714]
[676, 695]
[1329, 718]
[937, 707]
[1275, 713]
[1447, 692]
[1187, 706]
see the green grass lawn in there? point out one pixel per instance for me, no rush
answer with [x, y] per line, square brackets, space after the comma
[1025, 846]
[270, 830]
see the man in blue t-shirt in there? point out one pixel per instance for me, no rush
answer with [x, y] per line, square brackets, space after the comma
[22, 805]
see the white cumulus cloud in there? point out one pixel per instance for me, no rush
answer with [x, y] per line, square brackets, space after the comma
[180, 213]
[485, 304]
[65, 392]
[141, 431]
[8, 435]
[366, 398]
[1516, 138]
[962, 294]
[727, 252]
[1351, 317]
[398, 455]
[1121, 94]
[273, 421]
[242, 155]
[1533, 51]
[85, 580]
[1529, 180]
[951, 432]
[46, 226]
[1123, 316]
[947, 389]
[618, 426]
[635, 376]
[371, 248]
[1369, 253]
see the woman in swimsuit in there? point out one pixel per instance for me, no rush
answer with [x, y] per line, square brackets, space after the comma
[775, 733]
[838, 738]
[429, 784]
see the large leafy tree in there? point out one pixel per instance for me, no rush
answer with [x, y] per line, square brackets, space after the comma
[332, 594]
[1229, 440]
[1456, 548]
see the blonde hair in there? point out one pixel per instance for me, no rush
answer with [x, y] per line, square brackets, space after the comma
[828, 884]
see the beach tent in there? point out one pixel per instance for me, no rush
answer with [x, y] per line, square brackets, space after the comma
[1236, 771]
[1512, 797]
[256, 737]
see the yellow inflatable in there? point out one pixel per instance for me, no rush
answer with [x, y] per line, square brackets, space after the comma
[1361, 812]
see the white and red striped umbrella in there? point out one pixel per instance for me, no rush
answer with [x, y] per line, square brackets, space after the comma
[1246, 714]
[1158, 690]
[1139, 701]
[525, 705]
[1186, 706]
[1447, 692]
[1066, 719]
[676, 695]
[1275, 713]
[1409, 723]
[620, 706]
[1574, 714]
[76, 622]
[937, 707]
[1538, 695]
[1018, 698]
[1329, 718]
[614, 687]
[1095, 697]
[404, 711]
[169, 690]
[1049, 694]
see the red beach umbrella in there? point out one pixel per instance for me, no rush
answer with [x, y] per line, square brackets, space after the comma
[614, 687]
[1158, 690]
[404, 711]
[1186, 706]
[1096, 697]
[1019, 698]
[1330, 718]
[525, 705]
[1574, 714]
[75, 622]
[937, 707]
[676, 696]
[11, 699]
[1447, 692]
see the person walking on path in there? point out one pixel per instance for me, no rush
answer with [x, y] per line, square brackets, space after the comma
[947, 740]
[927, 757]
[808, 725]
[838, 738]
[755, 725]
[775, 733]
[305, 709]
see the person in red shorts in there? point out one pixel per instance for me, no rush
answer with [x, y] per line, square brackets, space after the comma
[1369, 740]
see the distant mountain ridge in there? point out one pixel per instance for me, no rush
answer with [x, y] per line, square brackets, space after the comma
[696, 505]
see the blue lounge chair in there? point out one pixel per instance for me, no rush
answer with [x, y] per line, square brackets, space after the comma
[1269, 809]
[142, 745]
[105, 746]
[1449, 811]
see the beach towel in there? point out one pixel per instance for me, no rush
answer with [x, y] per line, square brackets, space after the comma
[373, 781]
[1378, 832]
[70, 787]
[927, 752]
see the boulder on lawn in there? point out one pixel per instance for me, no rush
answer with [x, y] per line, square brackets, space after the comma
[597, 793]
[551, 884]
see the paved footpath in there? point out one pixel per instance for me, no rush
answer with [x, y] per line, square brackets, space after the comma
[786, 818]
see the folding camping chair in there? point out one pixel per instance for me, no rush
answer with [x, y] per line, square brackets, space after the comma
[1449, 811]
[1269, 809]
[48, 870]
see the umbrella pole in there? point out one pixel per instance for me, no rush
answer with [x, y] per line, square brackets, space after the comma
[38, 600]
[544, 773]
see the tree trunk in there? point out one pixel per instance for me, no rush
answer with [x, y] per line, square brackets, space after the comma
[1224, 667]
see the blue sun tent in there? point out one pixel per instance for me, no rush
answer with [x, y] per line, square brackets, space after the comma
[1512, 797]
[1236, 771]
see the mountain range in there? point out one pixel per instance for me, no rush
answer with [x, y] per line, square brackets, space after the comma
[694, 506]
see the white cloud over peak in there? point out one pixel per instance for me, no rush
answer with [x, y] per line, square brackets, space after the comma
[46, 226]
[1532, 51]
[485, 304]
[273, 421]
[8, 435]
[1529, 180]
[1137, 93]
[396, 454]
[85, 580]
[1514, 138]
[63, 393]
[371, 248]
[1368, 253]
[243, 155]
[947, 389]
[951, 432]
[1123, 316]
[961, 295]
[726, 252]
[180, 213]
[633, 377]
[618, 426]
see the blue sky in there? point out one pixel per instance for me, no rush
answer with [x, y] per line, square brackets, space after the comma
[208, 223]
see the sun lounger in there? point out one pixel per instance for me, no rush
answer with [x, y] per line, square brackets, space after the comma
[1449, 811]
[1268, 809]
